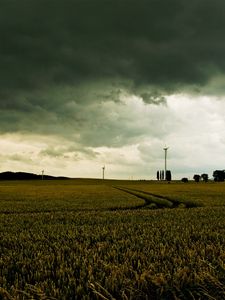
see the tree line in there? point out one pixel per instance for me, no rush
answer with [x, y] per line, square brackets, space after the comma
[160, 175]
[218, 176]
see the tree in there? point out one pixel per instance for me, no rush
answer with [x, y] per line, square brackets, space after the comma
[219, 175]
[168, 175]
[184, 179]
[157, 175]
[196, 177]
[205, 177]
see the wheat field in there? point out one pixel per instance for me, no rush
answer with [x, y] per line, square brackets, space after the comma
[94, 239]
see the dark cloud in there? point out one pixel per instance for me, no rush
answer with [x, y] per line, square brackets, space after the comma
[68, 152]
[59, 59]
[153, 97]
[155, 42]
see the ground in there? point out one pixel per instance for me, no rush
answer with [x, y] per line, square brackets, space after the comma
[111, 239]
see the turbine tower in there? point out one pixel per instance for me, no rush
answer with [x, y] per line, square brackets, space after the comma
[103, 172]
[165, 149]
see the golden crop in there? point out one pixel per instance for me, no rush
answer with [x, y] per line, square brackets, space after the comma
[65, 240]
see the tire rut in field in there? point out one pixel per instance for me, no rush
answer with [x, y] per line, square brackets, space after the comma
[174, 203]
[159, 200]
[149, 199]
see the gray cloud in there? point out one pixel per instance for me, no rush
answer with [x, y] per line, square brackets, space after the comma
[68, 152]
[61, 61]
[167, 44]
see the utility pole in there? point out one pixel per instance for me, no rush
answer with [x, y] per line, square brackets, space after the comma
[103, 172]
[165, 149]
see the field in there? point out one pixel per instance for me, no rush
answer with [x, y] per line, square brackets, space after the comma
[95, 239]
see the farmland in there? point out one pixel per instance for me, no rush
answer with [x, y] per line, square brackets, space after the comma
[90, 239]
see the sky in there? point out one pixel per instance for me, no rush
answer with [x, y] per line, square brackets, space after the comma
[86, 84]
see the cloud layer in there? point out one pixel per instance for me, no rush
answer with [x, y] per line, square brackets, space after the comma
[99, 73]
[169, 44]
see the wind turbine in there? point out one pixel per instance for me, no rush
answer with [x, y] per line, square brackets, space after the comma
[103, 172]
[165, 149]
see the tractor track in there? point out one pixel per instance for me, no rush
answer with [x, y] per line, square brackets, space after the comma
[159, 200]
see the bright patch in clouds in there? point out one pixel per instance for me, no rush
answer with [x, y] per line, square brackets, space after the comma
[197, 143]
[129, 141]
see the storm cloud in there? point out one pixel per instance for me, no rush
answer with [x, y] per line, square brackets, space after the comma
[169, 44]
[160, 46]
[74, 69]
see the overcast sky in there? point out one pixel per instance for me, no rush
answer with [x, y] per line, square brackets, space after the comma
[87, 83]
